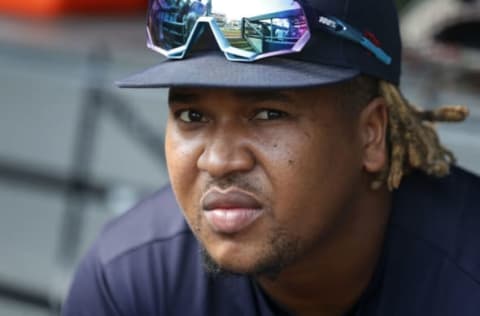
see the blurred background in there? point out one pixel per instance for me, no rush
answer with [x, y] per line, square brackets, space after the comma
[75, 151]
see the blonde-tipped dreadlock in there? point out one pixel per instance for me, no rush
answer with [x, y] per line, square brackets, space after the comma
[414, 143]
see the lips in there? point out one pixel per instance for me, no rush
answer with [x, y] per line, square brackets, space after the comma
[230, 212]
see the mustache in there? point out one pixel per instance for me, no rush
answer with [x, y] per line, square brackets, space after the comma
[239, 181]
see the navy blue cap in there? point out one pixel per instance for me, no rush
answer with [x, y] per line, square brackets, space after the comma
[326, 59]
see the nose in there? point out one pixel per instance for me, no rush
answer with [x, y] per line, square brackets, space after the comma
[226, 151]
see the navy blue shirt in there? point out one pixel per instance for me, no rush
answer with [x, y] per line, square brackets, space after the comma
[147, 262]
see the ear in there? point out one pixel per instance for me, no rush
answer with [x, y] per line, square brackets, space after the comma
[373, 132]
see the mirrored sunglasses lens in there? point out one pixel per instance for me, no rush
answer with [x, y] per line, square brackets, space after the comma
[260, 26]
[169, 22]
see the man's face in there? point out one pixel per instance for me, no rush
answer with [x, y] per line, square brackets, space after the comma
[263, 177]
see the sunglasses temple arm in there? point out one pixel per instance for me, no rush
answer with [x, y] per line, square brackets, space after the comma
[353, 35]
[377, 51]
[342, 29]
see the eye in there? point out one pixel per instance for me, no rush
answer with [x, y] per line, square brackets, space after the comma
[190, 116]
[269, 115]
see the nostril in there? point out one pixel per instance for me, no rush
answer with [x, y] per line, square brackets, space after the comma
[222, 158]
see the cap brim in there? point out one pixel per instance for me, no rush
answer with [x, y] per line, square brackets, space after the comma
[213, 70]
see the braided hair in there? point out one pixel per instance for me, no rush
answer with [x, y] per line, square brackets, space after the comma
[413, 142]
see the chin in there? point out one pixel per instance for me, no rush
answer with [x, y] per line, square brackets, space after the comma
[228, 264]
[247, 265]
[249, 255]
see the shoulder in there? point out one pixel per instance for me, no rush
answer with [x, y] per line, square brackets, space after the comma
[432, 244]
[445, 213]
[156, 219]
[146, 255]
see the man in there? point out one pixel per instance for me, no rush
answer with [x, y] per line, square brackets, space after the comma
[283, 175]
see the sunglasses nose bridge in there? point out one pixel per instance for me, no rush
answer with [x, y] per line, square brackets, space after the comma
[200, 40]
[199, 29]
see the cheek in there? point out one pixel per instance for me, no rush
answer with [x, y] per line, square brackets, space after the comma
[181, 155]
[311, 183]
[297, 160]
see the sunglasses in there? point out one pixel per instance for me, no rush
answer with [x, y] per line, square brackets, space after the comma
[246, 30]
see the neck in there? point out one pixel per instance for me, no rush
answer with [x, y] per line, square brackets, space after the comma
[335, 273]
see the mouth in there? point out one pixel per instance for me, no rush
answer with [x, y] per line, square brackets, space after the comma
[230, 212]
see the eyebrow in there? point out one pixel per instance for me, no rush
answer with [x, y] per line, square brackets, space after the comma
[250, 96]
[175, 96]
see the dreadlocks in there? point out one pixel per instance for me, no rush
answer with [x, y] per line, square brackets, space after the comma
[413, 140]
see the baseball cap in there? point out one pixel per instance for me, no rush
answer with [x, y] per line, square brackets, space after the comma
[325, 59]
